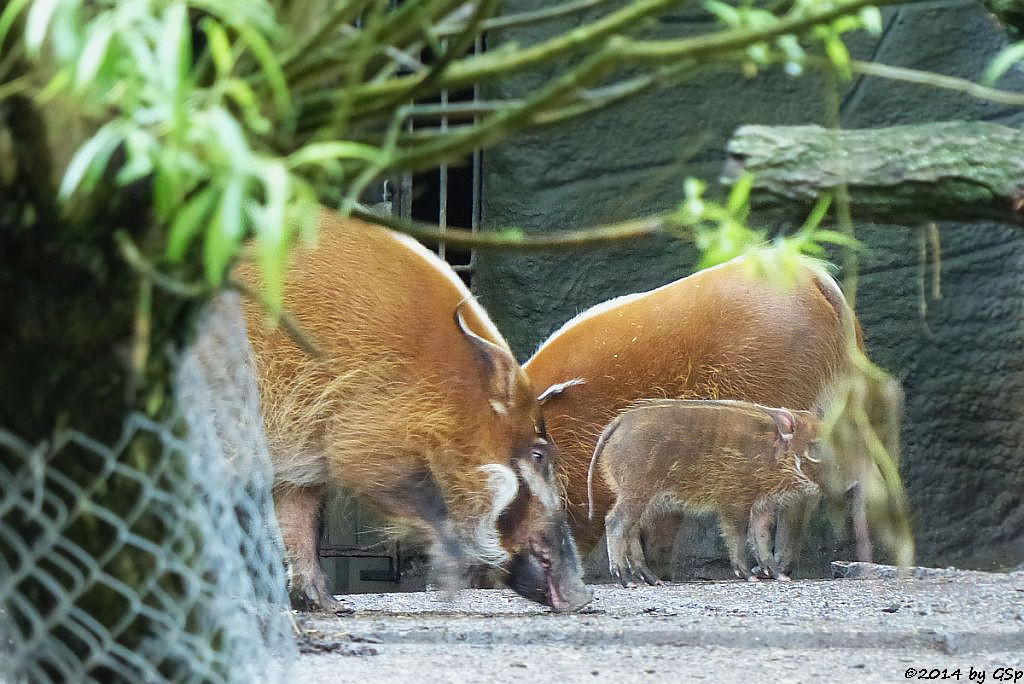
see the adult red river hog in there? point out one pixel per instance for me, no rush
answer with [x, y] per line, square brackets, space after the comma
[417, 407]
[721, 333]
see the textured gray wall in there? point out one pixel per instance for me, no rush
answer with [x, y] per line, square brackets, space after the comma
[962, 367]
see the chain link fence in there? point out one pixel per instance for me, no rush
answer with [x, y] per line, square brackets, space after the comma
[207, 600]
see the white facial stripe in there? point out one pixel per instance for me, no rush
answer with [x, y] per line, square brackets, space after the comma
[538, 487]
[504, 486]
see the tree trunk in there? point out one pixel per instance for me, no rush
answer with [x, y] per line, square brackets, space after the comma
[84, 344]
[952, 171]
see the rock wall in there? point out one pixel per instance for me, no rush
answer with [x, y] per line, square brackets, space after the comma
[962, 364]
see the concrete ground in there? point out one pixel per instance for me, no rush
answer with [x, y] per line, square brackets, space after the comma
[934, 626]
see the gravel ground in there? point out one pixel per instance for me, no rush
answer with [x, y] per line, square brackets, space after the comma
[804, 631]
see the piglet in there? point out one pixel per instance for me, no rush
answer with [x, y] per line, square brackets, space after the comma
[740, 460]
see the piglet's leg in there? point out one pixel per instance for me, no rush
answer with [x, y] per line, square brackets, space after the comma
[622, 534]
[789, 532]
[762, 515]
[637, 560]
[297, 511]
[733, 521]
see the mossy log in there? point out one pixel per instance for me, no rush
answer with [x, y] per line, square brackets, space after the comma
[950, 171]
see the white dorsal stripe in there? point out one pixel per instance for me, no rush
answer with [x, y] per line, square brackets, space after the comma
[444, 269]
[614, 303]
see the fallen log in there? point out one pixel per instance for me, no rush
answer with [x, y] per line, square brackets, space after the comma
[949, 171]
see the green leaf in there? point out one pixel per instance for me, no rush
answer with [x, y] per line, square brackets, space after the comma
[229, 137]
[7, 18]
[836, 238]
[871, 19]
[173, 56]
[87, 165]
[739, 195]
[693, 187]
[839, 56]
[791, 47]
[245, 98]
[817, 214]
[189, 222]
[844, 24]
[139, 145]
[319, 153]
[271, 70]
[226, 231]
[272, 230]
[758, 53]
[94, 53]
[726, 13]
[219, 46]
[512, 234]
[38, 24]
[1002, 62]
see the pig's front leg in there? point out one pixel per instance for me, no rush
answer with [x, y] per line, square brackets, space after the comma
[734, 521]
[297, 510]
[762, 517]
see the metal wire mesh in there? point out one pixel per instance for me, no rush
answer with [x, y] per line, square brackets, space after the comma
[208, 602]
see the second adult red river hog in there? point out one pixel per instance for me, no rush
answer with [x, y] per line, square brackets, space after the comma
[721, 333]
[417, 407]
[739, 460]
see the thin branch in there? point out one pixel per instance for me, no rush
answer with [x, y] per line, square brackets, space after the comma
[343, 14]
[289, 324]
[501, 123]
[500, 62]
[523, 18]
[596, 99]
[460, 110]
[131, 254]
[961, 85]
[455, 48]
[513, 239]
[706, 45]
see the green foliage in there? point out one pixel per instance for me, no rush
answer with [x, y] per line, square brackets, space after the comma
[1003, 62]
[786, 48]
[241, 117]
[721, 232]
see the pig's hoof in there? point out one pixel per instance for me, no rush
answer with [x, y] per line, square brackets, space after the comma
[314, 597]
[783, 578]
[753, 578]
[647, 576]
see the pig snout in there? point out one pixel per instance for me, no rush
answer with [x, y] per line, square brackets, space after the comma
[549, 570]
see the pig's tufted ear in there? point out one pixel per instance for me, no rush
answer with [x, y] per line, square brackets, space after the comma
[500, 369]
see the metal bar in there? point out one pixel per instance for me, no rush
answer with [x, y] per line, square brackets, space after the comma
[442, 180]
[476, 190]
[384, 550]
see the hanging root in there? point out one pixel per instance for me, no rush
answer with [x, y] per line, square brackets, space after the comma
[861, 430]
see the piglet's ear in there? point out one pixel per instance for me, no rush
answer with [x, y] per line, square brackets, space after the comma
[498, 366]
[785, 423]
